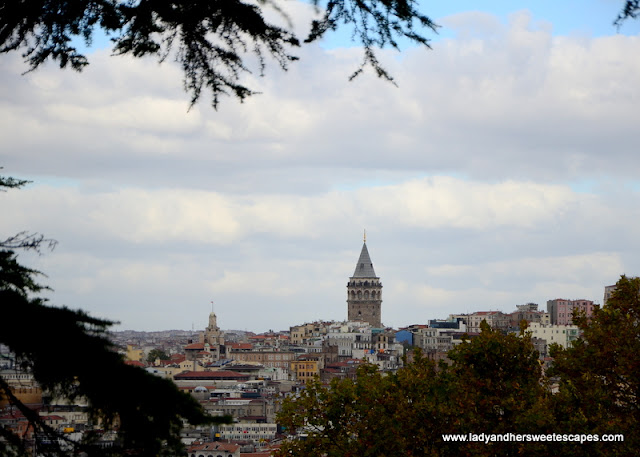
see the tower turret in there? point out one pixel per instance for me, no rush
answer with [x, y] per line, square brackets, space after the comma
[364, 292]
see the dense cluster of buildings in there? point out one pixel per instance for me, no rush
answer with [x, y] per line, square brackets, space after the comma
[244, 375]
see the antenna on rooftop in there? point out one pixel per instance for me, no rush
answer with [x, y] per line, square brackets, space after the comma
[364, 238]
[211, 305]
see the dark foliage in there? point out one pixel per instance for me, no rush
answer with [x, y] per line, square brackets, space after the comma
[599, 376]
[492, 385]
[210, 39]
[70, 355]
[631, 10]
[146, 409]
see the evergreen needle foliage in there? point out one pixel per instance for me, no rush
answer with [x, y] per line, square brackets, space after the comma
[210, 39]
[71, 357]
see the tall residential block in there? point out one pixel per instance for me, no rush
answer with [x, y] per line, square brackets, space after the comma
[561, 310]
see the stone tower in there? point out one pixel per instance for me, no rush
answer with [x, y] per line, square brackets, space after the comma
[213, 338]
[364, 292]
[212, 333]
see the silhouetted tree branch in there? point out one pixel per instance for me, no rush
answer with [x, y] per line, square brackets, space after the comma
[210, 39]
[631, 10]
[146, 410]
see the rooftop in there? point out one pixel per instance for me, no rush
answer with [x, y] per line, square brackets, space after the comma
[364, 267]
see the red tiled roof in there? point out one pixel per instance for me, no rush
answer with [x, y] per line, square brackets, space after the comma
[241, 346]
[52, 418]
[14, 415]
[213, 446]
[337, 364]
[135, 363]
[194, 346]
[210, 375]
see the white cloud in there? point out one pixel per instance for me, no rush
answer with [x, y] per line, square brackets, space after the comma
[150, 216]
[463, 175]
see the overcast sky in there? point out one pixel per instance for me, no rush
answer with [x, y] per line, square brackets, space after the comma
[502, 170]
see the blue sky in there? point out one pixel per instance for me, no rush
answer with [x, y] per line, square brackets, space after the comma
[501, 170]
[582, 17]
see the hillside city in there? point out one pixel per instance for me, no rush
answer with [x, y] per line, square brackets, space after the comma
[246, 375]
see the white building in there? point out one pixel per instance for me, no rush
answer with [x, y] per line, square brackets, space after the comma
[246, 431]
[562, 335]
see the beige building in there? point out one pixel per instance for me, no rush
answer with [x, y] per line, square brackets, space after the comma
[244, 431]
[270, 359]
[305, 370]
[22, 385]
[242, 409]
[134, 354]
[496, 320]
[563, 335]
[306, 334]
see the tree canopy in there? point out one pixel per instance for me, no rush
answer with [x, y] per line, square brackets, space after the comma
[599, 376]
[492, 384]
[157, 354]
[210, 39]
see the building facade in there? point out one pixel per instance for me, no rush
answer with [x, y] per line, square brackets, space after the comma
[608, 291]
[561, 310]
[564, 335]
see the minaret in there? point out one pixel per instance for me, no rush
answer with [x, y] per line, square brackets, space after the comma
[364, 291]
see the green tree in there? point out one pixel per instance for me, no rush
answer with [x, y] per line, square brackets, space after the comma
[155, 354]
[599, 376]
[210, 39]
[492, 384]
[497, 387]
[348, 418]
[146, 410]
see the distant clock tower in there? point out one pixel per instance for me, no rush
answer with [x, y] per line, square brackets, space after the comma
[364, 291]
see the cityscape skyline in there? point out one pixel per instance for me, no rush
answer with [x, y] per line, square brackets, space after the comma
[501, 170]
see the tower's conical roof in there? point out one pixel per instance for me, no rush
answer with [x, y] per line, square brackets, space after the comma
[364, 267]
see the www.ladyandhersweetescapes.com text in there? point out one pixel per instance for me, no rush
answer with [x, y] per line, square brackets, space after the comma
[517, 437]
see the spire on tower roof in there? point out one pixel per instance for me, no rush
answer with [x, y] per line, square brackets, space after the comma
[364, 267]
